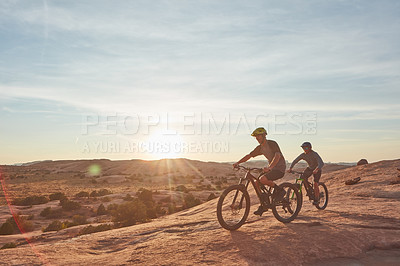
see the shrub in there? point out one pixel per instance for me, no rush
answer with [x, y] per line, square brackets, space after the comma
[105, 199]
[79, 219]
[9, 245]
[191, 201]
[31, 200]
[57, 196]
[70, 205]
[145, 195]
[82, 194]
[94, 194]
[46, 211]
[94, 229]
[181, 188]
[50, 213]
[103, 192]
[24, 224]
[129, 213]
[54, 226]
[6, 228]
[128, 197]
[101, 210]
[112, 207]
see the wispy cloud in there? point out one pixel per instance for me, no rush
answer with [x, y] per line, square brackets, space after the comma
[337, 58]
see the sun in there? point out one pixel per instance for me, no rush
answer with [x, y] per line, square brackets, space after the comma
[164, 144]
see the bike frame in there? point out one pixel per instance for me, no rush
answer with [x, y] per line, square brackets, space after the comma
[249, 178]
[300, 181]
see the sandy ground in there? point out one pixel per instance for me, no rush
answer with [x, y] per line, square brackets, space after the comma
[360, 225]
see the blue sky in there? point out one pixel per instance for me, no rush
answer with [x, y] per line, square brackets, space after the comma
[64, 61]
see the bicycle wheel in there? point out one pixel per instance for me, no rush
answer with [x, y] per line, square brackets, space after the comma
[233, 207]
[323, 196]
[287, 209]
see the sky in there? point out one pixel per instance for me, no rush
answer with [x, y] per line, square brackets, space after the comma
[164, 79]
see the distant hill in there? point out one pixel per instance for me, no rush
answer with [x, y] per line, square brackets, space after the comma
[161, 167]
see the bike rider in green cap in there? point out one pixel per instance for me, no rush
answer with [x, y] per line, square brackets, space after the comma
[276, 163]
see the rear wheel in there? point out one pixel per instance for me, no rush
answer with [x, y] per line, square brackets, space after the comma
[233, 207]
[287, 210]
[323, 196]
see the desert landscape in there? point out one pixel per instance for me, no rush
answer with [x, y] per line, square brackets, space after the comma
[360, 225]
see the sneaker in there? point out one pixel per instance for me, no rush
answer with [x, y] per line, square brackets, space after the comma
[315, 202]
[260, 210]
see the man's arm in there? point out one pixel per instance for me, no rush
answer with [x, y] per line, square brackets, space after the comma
[296, 161]
[320, 163]
[244, 159]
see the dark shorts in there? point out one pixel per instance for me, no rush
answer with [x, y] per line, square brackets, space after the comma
[308, 172]
[274, 175]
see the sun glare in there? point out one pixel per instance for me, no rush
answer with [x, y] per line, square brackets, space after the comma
[163, 144]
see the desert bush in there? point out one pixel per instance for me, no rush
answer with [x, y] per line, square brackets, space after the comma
[211, 196]
[79, 219]
[70, 205]
[45, 212]
[105, 199]
[54, 226]
[57, 196]
[31, 200]
[9, 245]
[94, 194]
[6, 229]
[50, 213]
[94, 229]
[191, 201]
[67, 224]
[129, 213]
[23, 223]
[128, 197]
[182, 188]
[101, 210]
[82, 194]
[145, 195]
[112, 207]
[104, 192]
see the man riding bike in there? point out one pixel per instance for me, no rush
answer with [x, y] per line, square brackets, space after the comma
[315, 165]
[276, 163]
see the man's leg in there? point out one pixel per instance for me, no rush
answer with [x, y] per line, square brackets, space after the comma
[317, 176]
[306, 174]
[268, 180]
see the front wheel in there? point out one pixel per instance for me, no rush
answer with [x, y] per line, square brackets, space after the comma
[323, 196]
[233, 207]
[287, 209]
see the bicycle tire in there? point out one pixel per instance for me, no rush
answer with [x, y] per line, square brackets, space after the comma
[323, 194]
[232, 215]
[291, 203]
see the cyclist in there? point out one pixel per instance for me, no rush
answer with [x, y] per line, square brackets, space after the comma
[314, 168]
[276, 164]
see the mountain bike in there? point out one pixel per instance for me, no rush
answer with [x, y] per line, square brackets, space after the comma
[322, 202]
[234, 203]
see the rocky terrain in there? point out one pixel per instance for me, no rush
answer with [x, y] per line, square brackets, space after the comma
[360, 225]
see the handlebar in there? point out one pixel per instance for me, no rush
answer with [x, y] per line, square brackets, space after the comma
[249, 168]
